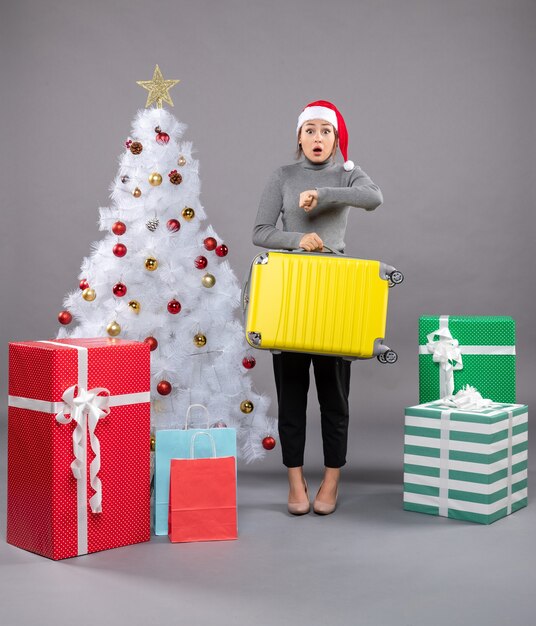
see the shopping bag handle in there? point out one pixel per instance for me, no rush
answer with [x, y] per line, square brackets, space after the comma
[192, 443]
[188, 414]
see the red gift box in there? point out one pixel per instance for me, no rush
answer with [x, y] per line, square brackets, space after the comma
[78, 445]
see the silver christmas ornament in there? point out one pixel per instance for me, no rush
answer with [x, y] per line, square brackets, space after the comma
[152, 224]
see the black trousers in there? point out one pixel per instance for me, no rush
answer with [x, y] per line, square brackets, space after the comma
[332, 377]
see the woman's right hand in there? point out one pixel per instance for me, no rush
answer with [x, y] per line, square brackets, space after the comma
[311, 242]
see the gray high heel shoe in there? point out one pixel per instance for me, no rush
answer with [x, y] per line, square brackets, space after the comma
[300, 508]
[323, 508]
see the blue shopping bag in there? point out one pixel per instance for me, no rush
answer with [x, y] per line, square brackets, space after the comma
[175, 444]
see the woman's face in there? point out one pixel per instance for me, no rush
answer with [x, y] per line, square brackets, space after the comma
[317, 138]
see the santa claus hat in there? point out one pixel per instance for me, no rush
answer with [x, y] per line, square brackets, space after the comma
[324, 110]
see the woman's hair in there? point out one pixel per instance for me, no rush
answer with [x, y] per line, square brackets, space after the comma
[299, 150]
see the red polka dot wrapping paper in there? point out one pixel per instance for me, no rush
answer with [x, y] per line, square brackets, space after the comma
[42, 508]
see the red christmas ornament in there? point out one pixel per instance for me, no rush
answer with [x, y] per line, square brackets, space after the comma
[153, 343]
[249, 362]
[64, 317]
[128, 143]
[83, 284]
[119, 290]
[210, 243]
[268, 443]
[119, 228]
[173, 225]
[162, 138]
[119, 249]
[201, 262]
[174, 307]
[222, 250]
[164, 388]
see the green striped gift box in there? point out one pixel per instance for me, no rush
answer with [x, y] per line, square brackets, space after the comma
[467, 465]
[487, 347]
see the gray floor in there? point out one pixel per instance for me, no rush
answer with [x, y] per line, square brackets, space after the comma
[369, 563]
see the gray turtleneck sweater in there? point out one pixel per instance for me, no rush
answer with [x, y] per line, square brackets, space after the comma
[338, 190]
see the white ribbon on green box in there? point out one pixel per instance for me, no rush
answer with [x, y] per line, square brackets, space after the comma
[448, 353]
[444, 464]
[84, 407]
[467, 399]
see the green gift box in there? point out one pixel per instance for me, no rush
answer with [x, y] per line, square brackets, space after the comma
[455, 351]
[466, 465]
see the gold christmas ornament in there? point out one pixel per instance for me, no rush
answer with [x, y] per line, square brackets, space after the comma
[89, 294]
[135, 306]
[246, 406]
[188, 213]
[158, 89]
[200, 340]
[113, 329]
[155, 179]
[151, 264]
[208, 281]
[181, 161]
[137, 192]
[153, 443]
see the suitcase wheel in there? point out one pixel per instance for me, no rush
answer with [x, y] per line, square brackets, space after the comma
[391, 356]
[388, 357]
[395, 278]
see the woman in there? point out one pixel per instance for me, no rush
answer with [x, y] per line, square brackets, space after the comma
[313, 198]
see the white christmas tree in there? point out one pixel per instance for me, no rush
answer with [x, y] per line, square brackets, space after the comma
[161, 275]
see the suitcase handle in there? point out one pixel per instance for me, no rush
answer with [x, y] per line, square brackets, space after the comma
[244, 296]
[324, 249]
[331, 250]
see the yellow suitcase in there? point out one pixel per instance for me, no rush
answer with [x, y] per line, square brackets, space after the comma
[318, 303]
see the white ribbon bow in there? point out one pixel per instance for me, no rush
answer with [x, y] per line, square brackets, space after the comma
[86, 403]
[447, 353]
[467, 399]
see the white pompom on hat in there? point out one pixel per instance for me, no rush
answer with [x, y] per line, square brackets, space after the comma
[324, 110]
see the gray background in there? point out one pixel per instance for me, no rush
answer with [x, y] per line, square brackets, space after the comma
[439, 100]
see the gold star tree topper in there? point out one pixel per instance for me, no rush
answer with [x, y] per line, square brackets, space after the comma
[158, 89]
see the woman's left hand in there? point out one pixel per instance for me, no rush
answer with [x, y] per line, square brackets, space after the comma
[308, 200]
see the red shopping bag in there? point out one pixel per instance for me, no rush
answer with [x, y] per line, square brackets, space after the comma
[202, 497]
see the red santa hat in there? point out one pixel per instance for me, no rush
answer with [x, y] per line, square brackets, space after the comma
[324, 110]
